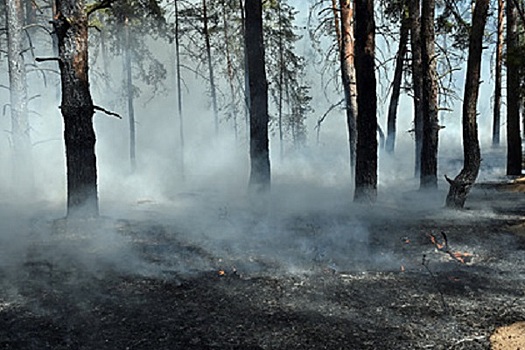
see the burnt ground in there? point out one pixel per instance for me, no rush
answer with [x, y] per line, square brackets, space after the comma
[167, 290]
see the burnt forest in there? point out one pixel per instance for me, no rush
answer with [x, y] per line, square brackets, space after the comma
[262, 174]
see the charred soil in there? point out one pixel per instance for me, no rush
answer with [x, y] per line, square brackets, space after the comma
[406, 293]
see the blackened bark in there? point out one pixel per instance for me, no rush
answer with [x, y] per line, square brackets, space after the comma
[497, 79]
[71, 27]
[349, 75]
[396, 86]
[414, 10]
[20, 128]
[462, 183]
[514, 152]
[429, 149]
[366, 152]
[259, 144]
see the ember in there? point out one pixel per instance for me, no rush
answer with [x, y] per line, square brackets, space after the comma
[443, 246]
[221, 273]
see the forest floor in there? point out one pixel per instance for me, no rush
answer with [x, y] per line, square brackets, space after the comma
[381, 278]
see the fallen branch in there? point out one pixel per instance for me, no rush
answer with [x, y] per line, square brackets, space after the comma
[425, 262]
[443, 247]
[98, 108]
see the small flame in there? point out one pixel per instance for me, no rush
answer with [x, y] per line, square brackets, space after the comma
[221, 273]
[435, 242]
[461, 256]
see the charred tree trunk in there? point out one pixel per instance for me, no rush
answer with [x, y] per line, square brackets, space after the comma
[179, 92]
[396, 86]
[414, 11]
[71, 28]
[348, 73]
[462, 183]
[213, 89]
[20, 128]
[366, 151]
[259, 143]
[498, 70]
[429, 149]
[129, 95]
[514, 152]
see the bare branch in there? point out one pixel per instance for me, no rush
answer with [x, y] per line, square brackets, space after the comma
[34, 25]
[42, 59]
[113, 114]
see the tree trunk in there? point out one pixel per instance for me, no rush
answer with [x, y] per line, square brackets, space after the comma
[179, 92]
[514, 152]
[213, 89]
[414, 11]
[20, 128]
[348, 73]
[462, 183]
[428, 176]
[229, 69]
[259, 144]
[366, 151]
[498, 70]
[129, 95]
[247, 102]
[281, 83]
[396, 85]
[71, 28]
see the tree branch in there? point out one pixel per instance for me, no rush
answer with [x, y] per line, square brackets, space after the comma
[42, 59]
[98, 108]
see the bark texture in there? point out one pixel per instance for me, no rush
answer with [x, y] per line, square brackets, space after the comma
[348, 74]
[129, 95]
[258, 89]
[182, 162]
[497, 78]
[213, 89]
[71, 28]
[429, 149]
[366, 152]
[514, 152]
[414, 10]
[396, 86]
[20, 128]
[462, 183]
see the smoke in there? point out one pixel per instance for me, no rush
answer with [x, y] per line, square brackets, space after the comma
[161, 222]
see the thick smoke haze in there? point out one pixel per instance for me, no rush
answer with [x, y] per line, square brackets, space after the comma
[308, 218]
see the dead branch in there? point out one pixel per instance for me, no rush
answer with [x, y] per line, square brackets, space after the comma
[113, 114]
[443, 245]
[425, 263]
[43, 59]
